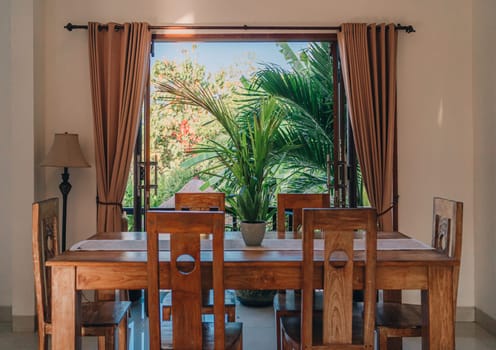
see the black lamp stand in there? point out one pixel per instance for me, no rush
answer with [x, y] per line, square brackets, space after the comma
[65, 188]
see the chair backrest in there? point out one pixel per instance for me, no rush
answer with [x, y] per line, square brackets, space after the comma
[447, 228]
[185, 277]
[296, 202]
[45, 246]
[338, 226]
[209, 201]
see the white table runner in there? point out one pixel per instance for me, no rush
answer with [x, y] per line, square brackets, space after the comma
[267, 244]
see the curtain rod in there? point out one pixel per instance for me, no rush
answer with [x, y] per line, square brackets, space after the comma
[70, 27]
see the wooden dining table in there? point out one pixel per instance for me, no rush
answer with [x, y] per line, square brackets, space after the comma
[400, 266]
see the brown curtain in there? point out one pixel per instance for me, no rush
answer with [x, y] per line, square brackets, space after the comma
[368, 56]
[119, 59]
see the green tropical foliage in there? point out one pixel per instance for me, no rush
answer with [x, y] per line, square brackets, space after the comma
[246, 157]
[306, 91]
[176, 128]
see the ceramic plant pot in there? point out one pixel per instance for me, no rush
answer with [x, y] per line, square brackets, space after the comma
[253, 232]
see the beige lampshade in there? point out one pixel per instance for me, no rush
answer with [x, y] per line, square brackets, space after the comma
[65, 152]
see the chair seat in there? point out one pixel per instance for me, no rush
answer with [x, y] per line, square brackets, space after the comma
[290, 302]
[291, 327]
[207, 304]
[103, 313]
[397, 315]
[233, 335]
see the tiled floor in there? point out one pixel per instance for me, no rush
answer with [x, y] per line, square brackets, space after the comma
[258, 333]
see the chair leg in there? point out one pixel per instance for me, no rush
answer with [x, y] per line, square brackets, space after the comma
[101, 342]
[382, 339]
[42, 340]
[278, 330]
[231, 314]
[110, 336]
[107, 341]
[284, 344]
[122, 334]
[240, 344]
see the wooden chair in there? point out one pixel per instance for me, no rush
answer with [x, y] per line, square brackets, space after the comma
[405, 320]
[100, 319]
[342, 324]
[296, 202]
[288, 304]
[203, 201]
[186, 330]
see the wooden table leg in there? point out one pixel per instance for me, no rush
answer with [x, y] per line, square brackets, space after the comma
[65, 305]
[393, 296]
[439, 319]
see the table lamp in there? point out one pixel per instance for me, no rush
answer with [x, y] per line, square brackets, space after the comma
[65, 153]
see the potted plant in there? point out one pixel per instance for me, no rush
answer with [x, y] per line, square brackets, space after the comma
[244, 163]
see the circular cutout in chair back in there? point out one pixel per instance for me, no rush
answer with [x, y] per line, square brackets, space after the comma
[185, 264]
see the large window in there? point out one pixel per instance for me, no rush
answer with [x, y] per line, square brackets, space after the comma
[303, 75]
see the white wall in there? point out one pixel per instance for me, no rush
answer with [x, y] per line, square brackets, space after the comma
[16, 158]
[484, 96]
[434, 93]
[5, 234]
[435, 128]
[21, 161]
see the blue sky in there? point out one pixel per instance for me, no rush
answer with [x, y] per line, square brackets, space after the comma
[220, 55]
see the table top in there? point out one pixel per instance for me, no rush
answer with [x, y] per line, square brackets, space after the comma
[411, 256]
